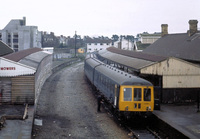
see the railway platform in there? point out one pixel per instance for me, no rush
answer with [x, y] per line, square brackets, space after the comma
[185, 119]
[16, 128]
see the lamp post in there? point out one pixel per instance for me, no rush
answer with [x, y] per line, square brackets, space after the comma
[75, 43]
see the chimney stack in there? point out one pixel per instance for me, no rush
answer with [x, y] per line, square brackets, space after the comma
[193, 27]
[24, 21]
[164, 29]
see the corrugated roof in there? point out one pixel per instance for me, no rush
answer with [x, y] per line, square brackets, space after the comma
[138, 55]
[21, 54]
[26, 62]
[177, 45]
[33, 60]
[5, 49]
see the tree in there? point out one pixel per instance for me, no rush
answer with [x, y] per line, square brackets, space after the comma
[115, 37]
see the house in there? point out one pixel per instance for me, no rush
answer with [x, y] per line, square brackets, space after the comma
[125, 44]
[145, 39]
[97, 44]
[19, 36]
[49, 40]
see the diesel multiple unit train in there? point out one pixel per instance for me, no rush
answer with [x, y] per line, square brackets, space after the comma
[125, 92]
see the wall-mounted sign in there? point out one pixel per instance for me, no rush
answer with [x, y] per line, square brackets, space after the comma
[7, 68]
[10, 68]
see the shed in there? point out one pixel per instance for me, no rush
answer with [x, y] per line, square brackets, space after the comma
[22, 75]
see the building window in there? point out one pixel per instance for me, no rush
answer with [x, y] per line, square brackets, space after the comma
[15, 36]
[9, 41]
[16, 47]
[15, 40]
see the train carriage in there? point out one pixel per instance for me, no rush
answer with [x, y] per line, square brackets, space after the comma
[124, 91]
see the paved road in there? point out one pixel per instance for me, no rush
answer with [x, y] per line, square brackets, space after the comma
[67, 109]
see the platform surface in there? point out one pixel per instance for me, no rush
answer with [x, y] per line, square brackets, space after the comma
[20, 129]
[185, 119]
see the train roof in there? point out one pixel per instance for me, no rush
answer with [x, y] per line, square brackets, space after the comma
[117, 75]
[121, 77]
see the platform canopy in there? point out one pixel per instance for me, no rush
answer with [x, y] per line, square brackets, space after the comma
[9, 68]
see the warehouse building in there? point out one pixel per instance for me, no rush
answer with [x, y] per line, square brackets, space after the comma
[22, 75]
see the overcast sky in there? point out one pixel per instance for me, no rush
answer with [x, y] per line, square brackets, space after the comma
[102, 17]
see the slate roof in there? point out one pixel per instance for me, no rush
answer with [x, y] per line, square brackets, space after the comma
[180, 46]
[97, 40]
[139, 55]
[5, 49]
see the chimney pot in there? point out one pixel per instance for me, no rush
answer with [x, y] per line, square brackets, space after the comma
[164, 29]
[193, 27]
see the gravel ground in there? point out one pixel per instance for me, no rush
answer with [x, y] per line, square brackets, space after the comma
[68, 109]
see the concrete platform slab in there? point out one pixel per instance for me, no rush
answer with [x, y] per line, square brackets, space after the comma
[20, 129]
[185, 119]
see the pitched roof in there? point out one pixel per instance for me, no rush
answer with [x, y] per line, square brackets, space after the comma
[139, 55]
[5, 49]
[21, 54]
[177, 45]
[97, 40]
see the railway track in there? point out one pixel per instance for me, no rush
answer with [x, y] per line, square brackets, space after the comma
[134, 128]
[136, 131]
[146, 133]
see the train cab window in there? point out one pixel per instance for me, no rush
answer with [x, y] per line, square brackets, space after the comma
[127, 94]
[137, 94]
[147, 94]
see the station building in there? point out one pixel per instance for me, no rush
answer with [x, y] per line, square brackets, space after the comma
[22, 75]
[172, 64]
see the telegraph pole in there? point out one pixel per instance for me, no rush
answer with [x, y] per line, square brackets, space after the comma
[75, 43]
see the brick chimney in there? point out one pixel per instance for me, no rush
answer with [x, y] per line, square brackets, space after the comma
[164, 29]
[193, 27]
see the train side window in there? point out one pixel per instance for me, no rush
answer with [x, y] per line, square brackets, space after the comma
[147, 94]
[137, 94]
[127, 94]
